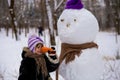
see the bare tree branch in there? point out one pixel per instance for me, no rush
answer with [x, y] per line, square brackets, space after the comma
[57, 7]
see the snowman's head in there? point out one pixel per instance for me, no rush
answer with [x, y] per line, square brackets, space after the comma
[77, 26]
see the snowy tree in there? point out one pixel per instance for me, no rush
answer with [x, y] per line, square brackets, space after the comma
[51, 12]
[112, 70]
[13, 22]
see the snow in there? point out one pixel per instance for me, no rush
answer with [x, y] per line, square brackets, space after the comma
[9, 2]
[85, 66]
[78, 26]
[110, 41]
[11, 54]
[107, 49]
[81, 23]
[10, 51]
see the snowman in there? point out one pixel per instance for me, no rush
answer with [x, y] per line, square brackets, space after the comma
[79, 57]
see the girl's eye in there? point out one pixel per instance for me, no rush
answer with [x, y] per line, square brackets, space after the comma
[38, 46]
[74, 20]
[62, 20]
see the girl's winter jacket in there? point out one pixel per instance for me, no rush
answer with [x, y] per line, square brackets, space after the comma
[29, 67]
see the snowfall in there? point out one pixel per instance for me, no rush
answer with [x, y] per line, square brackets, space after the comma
[10, 54]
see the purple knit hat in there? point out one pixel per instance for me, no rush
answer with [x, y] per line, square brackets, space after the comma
[74, 4]
[33, 41]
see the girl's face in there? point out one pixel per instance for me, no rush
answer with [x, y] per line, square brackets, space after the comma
[38, 48]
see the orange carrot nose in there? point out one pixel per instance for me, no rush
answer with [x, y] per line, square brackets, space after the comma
[46, 49]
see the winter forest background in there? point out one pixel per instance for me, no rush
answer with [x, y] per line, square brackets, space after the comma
[21, 16]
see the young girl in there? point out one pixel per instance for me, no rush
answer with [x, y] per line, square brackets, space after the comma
[35, 64]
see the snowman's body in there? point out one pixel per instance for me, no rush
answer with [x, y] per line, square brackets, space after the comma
[79, 27]
[84, 67]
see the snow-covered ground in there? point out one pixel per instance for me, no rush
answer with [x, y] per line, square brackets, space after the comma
[10, 54]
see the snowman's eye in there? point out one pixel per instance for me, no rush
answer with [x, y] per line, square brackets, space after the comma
[62, 20]
[74, 20]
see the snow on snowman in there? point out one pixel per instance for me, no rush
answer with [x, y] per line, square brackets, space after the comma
[79, 57]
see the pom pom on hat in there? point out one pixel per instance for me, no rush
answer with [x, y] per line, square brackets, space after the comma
[74, 4]
[33, 41]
